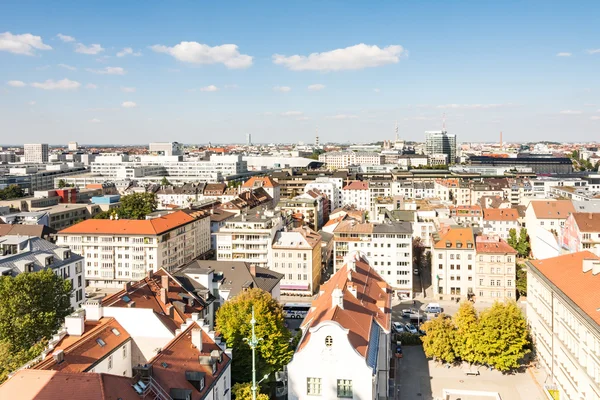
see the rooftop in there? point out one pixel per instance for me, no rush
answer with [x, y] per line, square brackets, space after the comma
[587, 222]
[492, 245]
[500, 214]
[301, 238]
[552, 209]
[456, 238]
[260, 181]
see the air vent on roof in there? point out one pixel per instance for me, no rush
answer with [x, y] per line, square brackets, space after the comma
[100, 342]
[164, 364]
[126, 299]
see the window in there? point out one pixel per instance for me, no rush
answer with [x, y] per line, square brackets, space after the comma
[509, 283]
[469, 267]
[125, 351]
[344, 388]
[328, 341]
[110, 359]
[313, 386]
[440, 256]
[498, 282]
[470, 257]
[441, 266]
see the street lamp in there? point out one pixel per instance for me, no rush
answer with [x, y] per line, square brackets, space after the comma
[253, 341]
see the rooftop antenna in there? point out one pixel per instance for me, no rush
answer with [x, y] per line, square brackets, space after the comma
[444, 123]
[317, 135]
[396, 129]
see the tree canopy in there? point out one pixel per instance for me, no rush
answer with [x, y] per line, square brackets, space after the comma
[520, 244]
[12, 359]
[233, 321]
[521, 281]
[243, 391]
[438, 343]
[11, 192]
[137, 205]
[467, 345]
[32, 307]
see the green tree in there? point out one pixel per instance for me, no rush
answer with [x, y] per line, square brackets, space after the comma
[32, 307]
[521, 281]
[243, 391]
[418, 250]
[503, 338]
[523, 246]
[104, 214]
[575, 155]
[11, 192]
[165, 182]
[466, 339]
[513, 241]
[438, 343]
[233, 321]
[12, 359]
[137, 205]
[62, 183]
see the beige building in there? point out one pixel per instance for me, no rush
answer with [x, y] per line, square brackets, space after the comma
[453, 263]
[120, 251]
[562, 311]
[297, 255]
[496, 269]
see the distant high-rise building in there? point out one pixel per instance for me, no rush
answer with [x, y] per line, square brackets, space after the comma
[440, 142]
[249, 139]
[36, 153]
[73, 146]
[167, 148]
[317, 137]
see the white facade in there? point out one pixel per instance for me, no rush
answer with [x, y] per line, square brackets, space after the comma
[167, 148]
[344, 159]
[360, 198]
[453, 270]
[332, 187]
[35, 153]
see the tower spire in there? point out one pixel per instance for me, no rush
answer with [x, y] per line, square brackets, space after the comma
[396, 130]
[317, 135]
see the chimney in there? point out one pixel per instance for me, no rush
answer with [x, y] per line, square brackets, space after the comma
[93, 310]
[337, 298]
[590, 216]
[75, 323]
[164, 282]
[149, 274]
[131, 304]
[349, 275]
[253, 269]
[170, 310]
[197, 338]
[352, 289]
[59, 356]
[163, 296]
[127, 287]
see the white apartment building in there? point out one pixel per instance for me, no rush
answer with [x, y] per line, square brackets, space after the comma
[357, 194]
[387, 247]
[453, 263]
[564, 322]
[345, 349]
[332, 187]
[544, 220]
[496, 269]
[297, 255]
[119, 251]
[23, 254]
[499, 221]
[35, 153]
[248, 238]
[167, 148]
[344, 159]
[265, 182]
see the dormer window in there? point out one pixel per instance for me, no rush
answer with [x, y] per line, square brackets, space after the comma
[214, 368]
[49, 261]
[328, 341]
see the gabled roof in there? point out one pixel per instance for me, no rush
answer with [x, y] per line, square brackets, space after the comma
[357, 185]
[169, 367]
[587, 222]
[32, 384]
[302, 237]
[552, 209]
[567, 274]
[490, 245]
[41, 231]
[456, 238]
[500, 214]
[82, 352]
[155, 226]
[371, 304]
[260, 181]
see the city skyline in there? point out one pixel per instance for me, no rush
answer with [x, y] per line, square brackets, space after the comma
[214, 74]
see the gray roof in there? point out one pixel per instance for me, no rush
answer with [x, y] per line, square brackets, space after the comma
[393, 227]
[35, 250]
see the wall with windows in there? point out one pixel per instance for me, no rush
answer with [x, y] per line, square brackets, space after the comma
[116, 363]
[496, 276]
[453, 271]
[328, 366]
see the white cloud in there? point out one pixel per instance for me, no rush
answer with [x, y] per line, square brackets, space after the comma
[95, 121]
[16, 83]
[69, 67]
[209, 88]
[91, 49]
[65, 38]
[343, 116]
[354, 57]
[63, 84]
[303, 118]
[128, 51]
[593, 51]
[42, 68]
[31, 103]
[377, 90]
[316, 87]
[128, 104]
[198, 53]
[595, 117]
[291, 113]
[475, 106]
[571, 112]
[91, 86]
[282, 89]
[128, 89]
[25, 43]
[107, 71]
[564, 54]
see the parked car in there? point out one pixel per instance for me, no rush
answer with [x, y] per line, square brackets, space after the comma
[433, 308]
[398, 350]
[411, 328]
[408, 312]
[397, 327]
[422, 332]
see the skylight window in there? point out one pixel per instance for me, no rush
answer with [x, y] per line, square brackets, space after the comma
[126, 299]
[116, 331]
[101, 342]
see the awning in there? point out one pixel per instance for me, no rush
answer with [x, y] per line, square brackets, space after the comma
[294, 287]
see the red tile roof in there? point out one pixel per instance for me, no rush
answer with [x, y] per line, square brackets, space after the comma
[567, 274]
[154, 226]
[371, 304]
[180, 356]
[453, 236]
[82, 352]
[587, 222]
[500, 214]
[552, 209]
[33, 384]
[260, 181]
[490, 245]
[357, 185]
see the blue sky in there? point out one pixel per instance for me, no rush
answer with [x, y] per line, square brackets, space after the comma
[529, 69]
